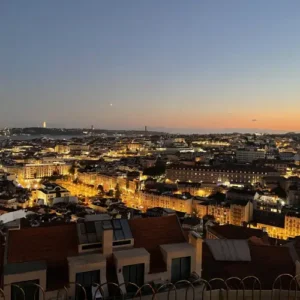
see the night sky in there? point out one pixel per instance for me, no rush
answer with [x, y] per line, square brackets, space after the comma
[189, 66]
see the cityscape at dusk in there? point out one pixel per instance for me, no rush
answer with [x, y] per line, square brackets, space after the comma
[149, 150]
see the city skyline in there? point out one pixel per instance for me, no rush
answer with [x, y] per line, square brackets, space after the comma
[196, 67]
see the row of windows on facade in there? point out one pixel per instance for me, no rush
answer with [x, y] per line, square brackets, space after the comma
[217, 171]
[214, 174]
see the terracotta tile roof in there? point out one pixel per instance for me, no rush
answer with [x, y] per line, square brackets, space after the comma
[267, 262]
[52, 244]
[235, 232]
[150, 233]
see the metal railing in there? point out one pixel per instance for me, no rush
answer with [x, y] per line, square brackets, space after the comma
[285, 286]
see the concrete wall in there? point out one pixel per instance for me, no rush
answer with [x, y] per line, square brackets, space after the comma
[28, 276]
[131, 257]
[86, 263]
[172, 251]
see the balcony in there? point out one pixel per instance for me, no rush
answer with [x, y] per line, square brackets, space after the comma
[250, 287]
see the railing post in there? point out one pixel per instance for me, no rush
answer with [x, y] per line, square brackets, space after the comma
[82, 288]
[295, 279]
[237, 290]
[39, 288]
[171, 286]
[206, 284]
[275, 281]
[141, 288]
[190, 285]
[99, 289]
[66, 293]
[253, 286]
[126, 284]
[20, 289]
[2, 295]
[219, 280]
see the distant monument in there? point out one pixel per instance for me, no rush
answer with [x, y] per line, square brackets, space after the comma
[44, 124]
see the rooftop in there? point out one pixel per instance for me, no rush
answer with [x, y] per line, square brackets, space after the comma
[227, 167]
[50, 244]
[150, 233]
[266, 262]
[91, 232]
[17, 268]
[235, 232]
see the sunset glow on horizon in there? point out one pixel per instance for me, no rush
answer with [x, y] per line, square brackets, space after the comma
[126, 64]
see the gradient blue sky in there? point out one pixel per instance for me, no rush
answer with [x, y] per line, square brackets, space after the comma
[194, 65]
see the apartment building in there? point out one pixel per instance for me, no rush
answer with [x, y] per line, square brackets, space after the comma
[49, 191]
[62, 149]
[239, 174]
[194, 188]
[220, 212]
[249, 155]
[241, 211]
[174, 202]
[108, 182]
[140, 251]
[280, 165]
[270, 222]
[289, 227]
[229, 231]
[235, 212]
[79, 147]
[240, 194]
[39, 171]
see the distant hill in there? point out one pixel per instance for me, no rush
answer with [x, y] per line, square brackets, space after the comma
[73, 131]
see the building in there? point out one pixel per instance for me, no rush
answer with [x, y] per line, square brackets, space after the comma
[239, 174]
[240, 194]
[174, 202]
[278, 225]
[62, 149]
[241, 212]
[159, 212]
[140, 251]
[235, 258]
[44, 124]
[280, 165]
[194, 188]
[135, 146]
[229, 231]
[49, 191]
[287, 155]
[293, 196]
[236, 212]
[270, 222]
[38, 171]
[249, 155]
[79, 147]
[108, 182]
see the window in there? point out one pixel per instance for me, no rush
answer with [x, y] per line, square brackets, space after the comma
[181, 268]
[92, 246]
[134, 274]
[122, 243]
[31, 291]
[86, 279]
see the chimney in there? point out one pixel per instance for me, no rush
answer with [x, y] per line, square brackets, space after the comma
[196, 241]
[107, 241]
